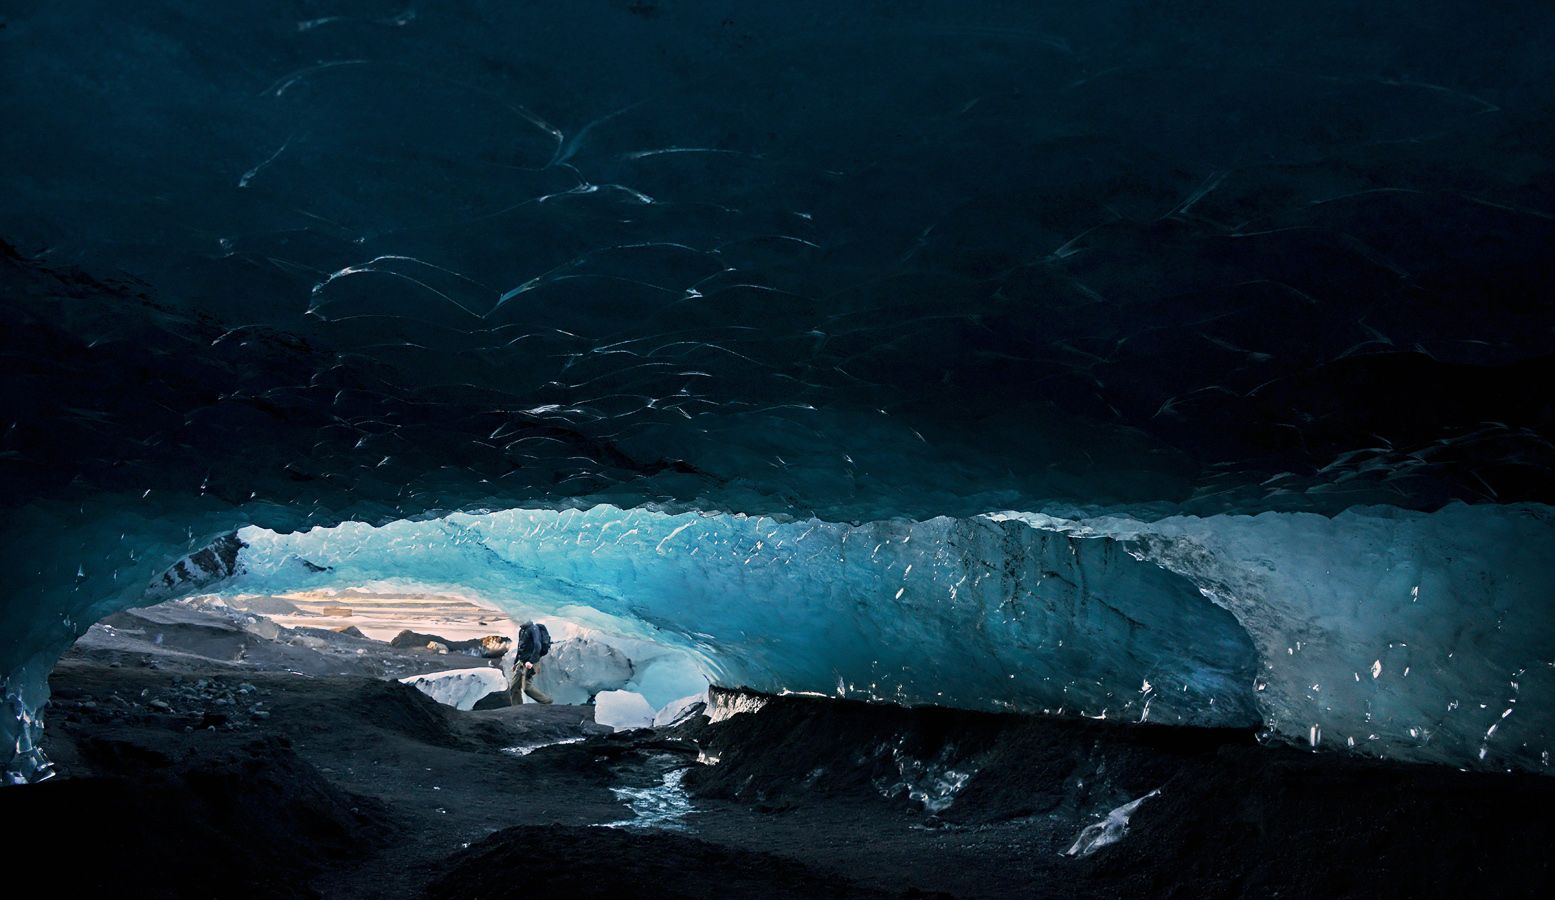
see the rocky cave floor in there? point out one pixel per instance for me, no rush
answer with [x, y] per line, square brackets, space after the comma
[185, 776]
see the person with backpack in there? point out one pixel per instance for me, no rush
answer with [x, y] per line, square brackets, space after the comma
[534, 641]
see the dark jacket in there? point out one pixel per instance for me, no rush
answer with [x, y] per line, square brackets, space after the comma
[533, 643]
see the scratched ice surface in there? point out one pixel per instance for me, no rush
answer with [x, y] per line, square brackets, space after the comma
[291, 264]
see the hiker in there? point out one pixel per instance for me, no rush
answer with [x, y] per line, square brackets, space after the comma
[534, 641]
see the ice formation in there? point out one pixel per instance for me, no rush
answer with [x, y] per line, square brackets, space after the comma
[678, 711]
[622, 710]
[1368, 629]
[1109, 830]
[976, 612]
[726, 338]
[460, 688]
[579, 668]
[932, 783]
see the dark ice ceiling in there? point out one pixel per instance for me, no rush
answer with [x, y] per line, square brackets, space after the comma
[857, 259]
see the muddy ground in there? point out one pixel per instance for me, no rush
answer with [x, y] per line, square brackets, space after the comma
[182, 775]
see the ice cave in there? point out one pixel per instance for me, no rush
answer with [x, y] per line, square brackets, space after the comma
[1169, 363]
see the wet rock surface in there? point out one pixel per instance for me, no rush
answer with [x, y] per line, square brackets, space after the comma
[188, 636]
[230, 818]
[345, 786]
[489, 647]
[586, 863]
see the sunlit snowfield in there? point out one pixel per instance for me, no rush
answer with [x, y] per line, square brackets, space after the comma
[382, 616]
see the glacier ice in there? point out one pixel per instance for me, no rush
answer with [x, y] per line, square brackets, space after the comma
[71, 567]
[1399, 633]
[622, 710]
[459, 688]
[578, 668]
[23, 692]
[1109, 830]
[1418, 636]
[725, 705]
[678, 711]
[1421, 636]
[933, 782]
[975, 612]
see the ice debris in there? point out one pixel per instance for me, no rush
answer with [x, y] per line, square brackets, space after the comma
[622, 710]
[678, 711]
[1109, 830]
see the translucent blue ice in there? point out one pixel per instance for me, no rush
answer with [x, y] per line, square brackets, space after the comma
[1402, 634]
[961, 612]
[1413, 635]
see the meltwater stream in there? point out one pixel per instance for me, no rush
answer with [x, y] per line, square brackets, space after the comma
[662, 806]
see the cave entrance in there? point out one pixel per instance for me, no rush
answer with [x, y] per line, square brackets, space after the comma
[457, 648]
[985, 613]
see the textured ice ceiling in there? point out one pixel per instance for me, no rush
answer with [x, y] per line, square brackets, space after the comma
[294, 263]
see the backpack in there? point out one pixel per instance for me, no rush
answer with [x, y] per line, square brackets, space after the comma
[545, 638]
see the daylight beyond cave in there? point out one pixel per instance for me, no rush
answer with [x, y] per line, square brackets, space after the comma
[1244, 310]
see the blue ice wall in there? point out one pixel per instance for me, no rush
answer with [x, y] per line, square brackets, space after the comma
[1396, 633]
[970, 612]
[1416, 636]
[69, 566]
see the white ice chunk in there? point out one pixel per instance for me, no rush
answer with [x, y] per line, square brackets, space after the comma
[666, 678]
[622, 710]
[576, 670]
[459, 688]
[678, 711]
[1109, 830]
